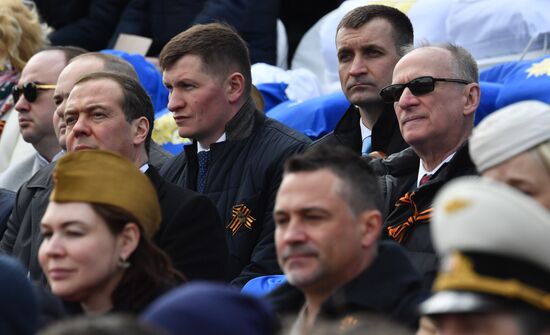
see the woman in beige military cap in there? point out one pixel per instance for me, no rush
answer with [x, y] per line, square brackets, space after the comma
[97, 230]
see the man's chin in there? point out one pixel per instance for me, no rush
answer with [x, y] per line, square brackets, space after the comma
[302, 279]
[62, 143]
[27, 136]
[362, 100]
[80, 147]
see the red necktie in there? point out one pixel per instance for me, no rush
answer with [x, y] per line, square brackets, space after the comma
[424, 179]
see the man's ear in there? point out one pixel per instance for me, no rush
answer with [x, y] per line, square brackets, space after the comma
[472, 98]
[140, 127]
[128, 240]
[235, 87]
[371, 225]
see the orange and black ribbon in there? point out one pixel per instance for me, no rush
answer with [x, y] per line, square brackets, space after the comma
[400, 232]
[240, 216]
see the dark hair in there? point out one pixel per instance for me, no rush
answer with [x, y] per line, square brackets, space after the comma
[135, 102]
[68, 51]
[218, 46]
[360, 186]
[112, 63]
[402, 26]
[151, 272]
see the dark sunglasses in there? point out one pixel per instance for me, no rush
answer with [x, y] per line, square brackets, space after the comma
[30, 91]
[417, 86]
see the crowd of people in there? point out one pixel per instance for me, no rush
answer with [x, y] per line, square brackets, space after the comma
[405, 218]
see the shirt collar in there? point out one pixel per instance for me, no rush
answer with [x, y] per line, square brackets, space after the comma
[422, 171]
[58, 155]
[42, 160]
[201, 148]
[365, 132]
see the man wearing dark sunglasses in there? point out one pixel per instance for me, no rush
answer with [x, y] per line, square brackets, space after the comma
[435, 93]
[34, 105]
[369, 42]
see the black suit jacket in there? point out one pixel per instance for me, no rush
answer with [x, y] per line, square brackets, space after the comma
[191, 232]
[386, 136]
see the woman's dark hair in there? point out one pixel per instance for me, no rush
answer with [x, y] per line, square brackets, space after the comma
[151, 272]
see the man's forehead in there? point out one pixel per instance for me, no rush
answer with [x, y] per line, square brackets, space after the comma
[426, 61]
[430, 54]
[87, 63]
[309, 190]
[44, 67]
[375, 29]
[189, 63]
[95, 91]
[317, 179]
[78, 68]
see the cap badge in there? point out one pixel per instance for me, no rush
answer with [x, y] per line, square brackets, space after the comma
[455, 205]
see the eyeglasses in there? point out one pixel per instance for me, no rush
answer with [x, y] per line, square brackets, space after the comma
[418, 86]
[30, 91]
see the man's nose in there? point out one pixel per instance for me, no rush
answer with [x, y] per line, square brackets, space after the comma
[294, 232]
[22, 104]
[81, 126]
[357, 66]
[175, 102]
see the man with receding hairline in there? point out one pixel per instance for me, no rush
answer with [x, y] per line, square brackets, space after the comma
[35, 108]
[435, 93]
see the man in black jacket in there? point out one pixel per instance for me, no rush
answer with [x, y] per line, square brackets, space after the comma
[369, 42]
[120, 121]
[237, 152]
[435, 95]
[327, 227]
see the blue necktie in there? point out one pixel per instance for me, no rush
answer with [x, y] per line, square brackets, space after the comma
[204, 158]
[365, 149]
